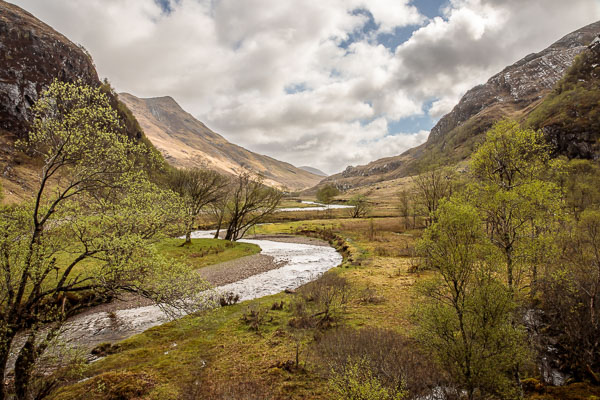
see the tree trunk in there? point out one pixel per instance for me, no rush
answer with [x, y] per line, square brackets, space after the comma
[509, 267]
[23, 367]
[6, 339]
[219, 223]
[188, 237]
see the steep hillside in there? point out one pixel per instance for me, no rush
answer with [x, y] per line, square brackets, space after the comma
[514, 93]
[33, 55]
[570, 115]
[186, 142]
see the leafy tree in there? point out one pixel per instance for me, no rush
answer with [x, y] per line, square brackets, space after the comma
[198, 188]
[517, 204]
[361, 206]
[326, 193]
[465, 314]
[250, 201]
[88, 230]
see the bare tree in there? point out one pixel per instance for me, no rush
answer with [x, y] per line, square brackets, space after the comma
[250, 202]
[432, 186]
[198, 188]
[361, 206]
[404, 206]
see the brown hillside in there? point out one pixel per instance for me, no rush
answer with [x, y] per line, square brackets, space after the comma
[186, 142]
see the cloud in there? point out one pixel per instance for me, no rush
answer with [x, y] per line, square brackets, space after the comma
[302, 81]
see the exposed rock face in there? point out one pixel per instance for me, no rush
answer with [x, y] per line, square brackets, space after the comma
[32, 56]
[518, 85]
[569, 116]
[514, 92]
[186, 142]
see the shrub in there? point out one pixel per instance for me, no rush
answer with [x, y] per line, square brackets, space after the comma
[392, 358]
[356, 382]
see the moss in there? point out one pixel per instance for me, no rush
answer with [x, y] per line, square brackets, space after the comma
[110, 385]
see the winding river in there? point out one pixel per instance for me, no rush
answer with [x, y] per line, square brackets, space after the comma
[301, 263]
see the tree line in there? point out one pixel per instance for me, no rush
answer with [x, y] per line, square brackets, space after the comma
[514, 241]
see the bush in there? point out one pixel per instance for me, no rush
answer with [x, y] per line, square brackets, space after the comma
[320, 303]
[391, 358]
[356, 382]
[228, 299]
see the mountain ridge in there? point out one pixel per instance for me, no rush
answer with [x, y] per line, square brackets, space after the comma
[513, 92]
[185, 141]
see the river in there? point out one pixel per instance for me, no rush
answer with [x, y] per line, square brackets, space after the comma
[301, 263]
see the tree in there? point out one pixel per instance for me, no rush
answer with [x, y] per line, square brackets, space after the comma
[326, 193]
[250, 201]
[464, 316]
[198, 188]
[405, 205]
[431, 187]
[508, 188]
[88, 230]
[571, 300]
[361, 206]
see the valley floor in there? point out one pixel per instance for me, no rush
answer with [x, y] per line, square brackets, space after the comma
[266, 348]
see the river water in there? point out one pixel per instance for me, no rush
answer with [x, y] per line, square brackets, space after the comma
[317, 207]
[301, 263]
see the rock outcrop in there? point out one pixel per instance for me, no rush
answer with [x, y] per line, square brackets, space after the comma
[569, 116]
[33, 55]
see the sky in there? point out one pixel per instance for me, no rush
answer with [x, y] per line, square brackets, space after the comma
[323, 83]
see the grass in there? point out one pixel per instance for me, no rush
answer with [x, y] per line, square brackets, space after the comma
[217, 355]
[203, 252]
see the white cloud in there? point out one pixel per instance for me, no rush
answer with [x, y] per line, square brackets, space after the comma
[270, 75]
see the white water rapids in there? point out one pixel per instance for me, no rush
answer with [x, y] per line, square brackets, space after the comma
[301, 263]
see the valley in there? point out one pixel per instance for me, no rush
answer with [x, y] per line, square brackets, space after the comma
[145, 256]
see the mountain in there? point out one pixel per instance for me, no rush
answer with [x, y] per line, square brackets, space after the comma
[186, 142]
[314, 171]
[513, 93]
[570, 115]
[33, 55]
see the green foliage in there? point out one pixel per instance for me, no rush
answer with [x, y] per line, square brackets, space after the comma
[92, 204]
[326, 193]
[510, 155]
[571, 300]
[357, 382]
[465, 314]
[514, 195]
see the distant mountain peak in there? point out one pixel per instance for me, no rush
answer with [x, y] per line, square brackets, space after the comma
[186, 142]
[314, 171]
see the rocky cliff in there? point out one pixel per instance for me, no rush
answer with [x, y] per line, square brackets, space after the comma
[186, 142]
[514, 92]
[570, 115]
[33, 54]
